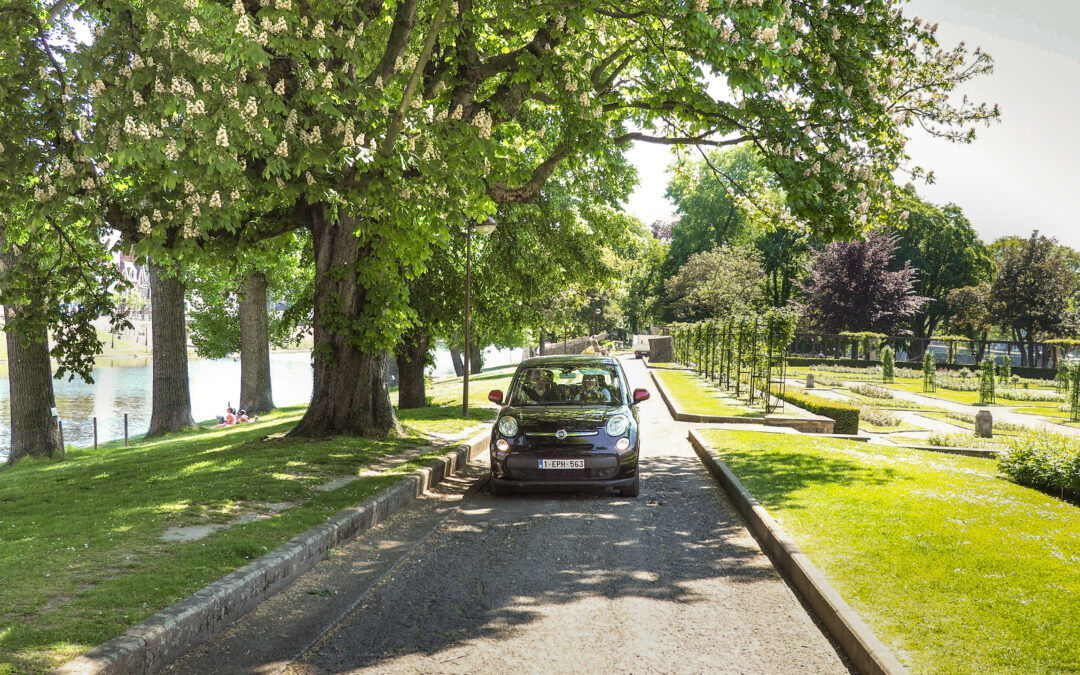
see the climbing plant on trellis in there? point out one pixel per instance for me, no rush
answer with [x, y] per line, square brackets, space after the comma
[745, 354]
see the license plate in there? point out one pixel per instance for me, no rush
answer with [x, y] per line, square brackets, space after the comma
[562, 464]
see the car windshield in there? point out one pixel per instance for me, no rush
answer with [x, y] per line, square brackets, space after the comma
[595, 384]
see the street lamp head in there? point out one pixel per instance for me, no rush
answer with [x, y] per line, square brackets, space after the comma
[487, 227]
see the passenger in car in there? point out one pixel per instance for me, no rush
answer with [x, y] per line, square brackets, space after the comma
[592, 392]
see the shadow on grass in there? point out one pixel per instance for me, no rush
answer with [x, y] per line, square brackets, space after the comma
[774, 477]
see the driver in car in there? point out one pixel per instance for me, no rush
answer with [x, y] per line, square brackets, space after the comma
[592, 392]
[542, 389]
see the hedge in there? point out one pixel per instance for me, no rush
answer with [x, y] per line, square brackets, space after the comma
[1029, 372]
[845, 416]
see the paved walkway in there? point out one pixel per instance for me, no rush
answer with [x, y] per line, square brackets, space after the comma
[1001, 413]
[548, 583]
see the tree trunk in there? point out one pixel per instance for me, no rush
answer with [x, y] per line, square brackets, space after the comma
[34, 430]
[541, 341]
[171, 409]
[455, 356]
[476, 359]
[411, 356]
[349, 393]
[256, 396]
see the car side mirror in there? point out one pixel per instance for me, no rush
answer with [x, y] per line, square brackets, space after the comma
[641, 395]
[495, 396]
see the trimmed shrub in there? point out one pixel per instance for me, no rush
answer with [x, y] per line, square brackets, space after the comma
[1006, 368]
[929, 372]
[845, 416]
[888, 365]
[986, 382]
[1044, 461]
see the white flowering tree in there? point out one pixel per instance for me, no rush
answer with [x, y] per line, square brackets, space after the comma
[379, 126]
[55, 280]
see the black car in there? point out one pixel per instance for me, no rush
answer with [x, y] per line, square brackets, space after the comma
[567, 422]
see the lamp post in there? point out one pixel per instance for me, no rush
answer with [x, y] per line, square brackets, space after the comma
[485, 228]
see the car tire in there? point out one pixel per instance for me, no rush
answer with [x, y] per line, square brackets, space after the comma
[499, 490]
[632, 489]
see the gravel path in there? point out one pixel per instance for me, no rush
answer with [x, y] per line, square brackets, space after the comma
[668, 582]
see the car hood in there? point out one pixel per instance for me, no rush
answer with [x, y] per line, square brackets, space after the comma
[553, 418]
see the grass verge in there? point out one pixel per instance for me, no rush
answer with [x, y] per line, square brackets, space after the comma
[82, 548]
[954, 568]
[695, 396]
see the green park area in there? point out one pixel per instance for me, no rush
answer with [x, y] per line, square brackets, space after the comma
[76, 581]
[955, 568]
[402, 190]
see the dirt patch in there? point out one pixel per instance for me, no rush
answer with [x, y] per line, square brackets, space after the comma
[254, 512]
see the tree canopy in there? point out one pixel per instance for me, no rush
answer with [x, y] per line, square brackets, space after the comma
[374, 125]
[851, 287]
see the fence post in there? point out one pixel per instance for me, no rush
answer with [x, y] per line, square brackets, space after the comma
[125, 430]
[95, 434]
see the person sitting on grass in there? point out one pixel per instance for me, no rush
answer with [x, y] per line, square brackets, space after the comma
[226, 420]
[244, 418]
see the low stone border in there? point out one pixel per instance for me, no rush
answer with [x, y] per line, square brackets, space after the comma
[985, 453]
[652, 367]
[859, 643]
[155, 642]
[811, 423]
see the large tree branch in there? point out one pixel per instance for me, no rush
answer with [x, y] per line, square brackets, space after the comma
[394, 127]
[397, 42]
[530, 189]
[703, 139]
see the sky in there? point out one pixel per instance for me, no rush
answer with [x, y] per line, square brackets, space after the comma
[1020, 174]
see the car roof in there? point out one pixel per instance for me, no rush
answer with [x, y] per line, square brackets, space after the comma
[575, 360]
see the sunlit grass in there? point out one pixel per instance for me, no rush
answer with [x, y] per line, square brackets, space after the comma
[955, 568]
[693, 395]
[80, 540]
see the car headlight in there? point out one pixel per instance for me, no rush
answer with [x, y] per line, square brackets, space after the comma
[618, 424]
[508, 426]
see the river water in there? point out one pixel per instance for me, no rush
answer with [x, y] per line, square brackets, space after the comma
[215, 383]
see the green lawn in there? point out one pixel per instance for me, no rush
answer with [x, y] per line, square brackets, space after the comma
[1051, 411]
[81, 550]
[695, 396]
[956, 569]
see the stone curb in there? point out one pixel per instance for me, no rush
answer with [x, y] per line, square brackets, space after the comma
[814, 422]
[984, 453]
[859, 643]
[155, 642]
[650, 366]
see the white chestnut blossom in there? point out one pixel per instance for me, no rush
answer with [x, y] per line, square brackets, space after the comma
[282, 149]
[222, 137]
[144, 225]
[279, 88]
[319, 31]
[215, 200]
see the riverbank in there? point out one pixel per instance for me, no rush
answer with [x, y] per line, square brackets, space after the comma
[104, 539]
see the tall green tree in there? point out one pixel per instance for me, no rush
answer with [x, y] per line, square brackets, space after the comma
[703, 191]
[366, 124]
[229, 298]
[724, 281]
[941, 243]
[1031, 292]
[971, 314]
[55, 276]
